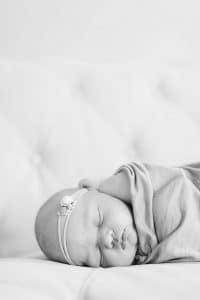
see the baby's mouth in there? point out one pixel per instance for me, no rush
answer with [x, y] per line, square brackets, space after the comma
[128, 236]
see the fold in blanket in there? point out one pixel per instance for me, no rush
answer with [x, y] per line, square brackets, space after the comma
[166, 210]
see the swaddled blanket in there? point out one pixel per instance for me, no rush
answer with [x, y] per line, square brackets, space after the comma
[166, 210]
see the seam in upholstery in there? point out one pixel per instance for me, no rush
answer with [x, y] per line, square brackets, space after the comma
[80, 294]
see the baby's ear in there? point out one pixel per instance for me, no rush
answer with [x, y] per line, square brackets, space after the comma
[88, 183]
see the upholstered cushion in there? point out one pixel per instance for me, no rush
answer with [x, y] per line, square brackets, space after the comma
[49, 140]
[153, 106]
[65, 121]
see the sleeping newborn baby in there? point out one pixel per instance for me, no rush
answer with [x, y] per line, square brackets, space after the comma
[142, 214]
[85, 227]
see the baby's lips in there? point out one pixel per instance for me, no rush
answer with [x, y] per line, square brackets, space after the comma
[130, 235]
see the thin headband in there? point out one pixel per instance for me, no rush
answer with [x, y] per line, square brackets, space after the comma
[67, 204]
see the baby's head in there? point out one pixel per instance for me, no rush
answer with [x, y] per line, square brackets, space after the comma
[86, 228]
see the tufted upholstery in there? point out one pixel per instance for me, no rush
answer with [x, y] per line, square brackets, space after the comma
[49, 140]
[61, 121]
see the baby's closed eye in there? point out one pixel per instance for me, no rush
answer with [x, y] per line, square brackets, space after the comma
[100, 217]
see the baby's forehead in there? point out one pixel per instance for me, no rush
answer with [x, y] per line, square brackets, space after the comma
[92, 195]
[95, 198]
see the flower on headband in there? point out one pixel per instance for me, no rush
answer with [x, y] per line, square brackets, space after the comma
[67, 204]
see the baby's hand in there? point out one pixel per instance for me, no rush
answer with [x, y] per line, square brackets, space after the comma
[116, 186]
[89, 183]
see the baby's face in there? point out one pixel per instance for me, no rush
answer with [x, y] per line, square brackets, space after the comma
[101, 232]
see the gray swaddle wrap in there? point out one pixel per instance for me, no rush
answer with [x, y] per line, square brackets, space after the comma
[166, 210]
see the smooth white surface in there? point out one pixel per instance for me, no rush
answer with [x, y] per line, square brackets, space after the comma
[41, 279]
[166, 281]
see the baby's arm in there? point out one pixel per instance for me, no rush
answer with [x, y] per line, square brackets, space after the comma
[116, 185]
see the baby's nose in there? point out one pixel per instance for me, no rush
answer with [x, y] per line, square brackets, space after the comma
[108, 240]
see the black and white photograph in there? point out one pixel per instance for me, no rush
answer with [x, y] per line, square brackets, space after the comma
[99, 150]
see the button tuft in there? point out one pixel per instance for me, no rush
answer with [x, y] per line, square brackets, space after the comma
[36, 159]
